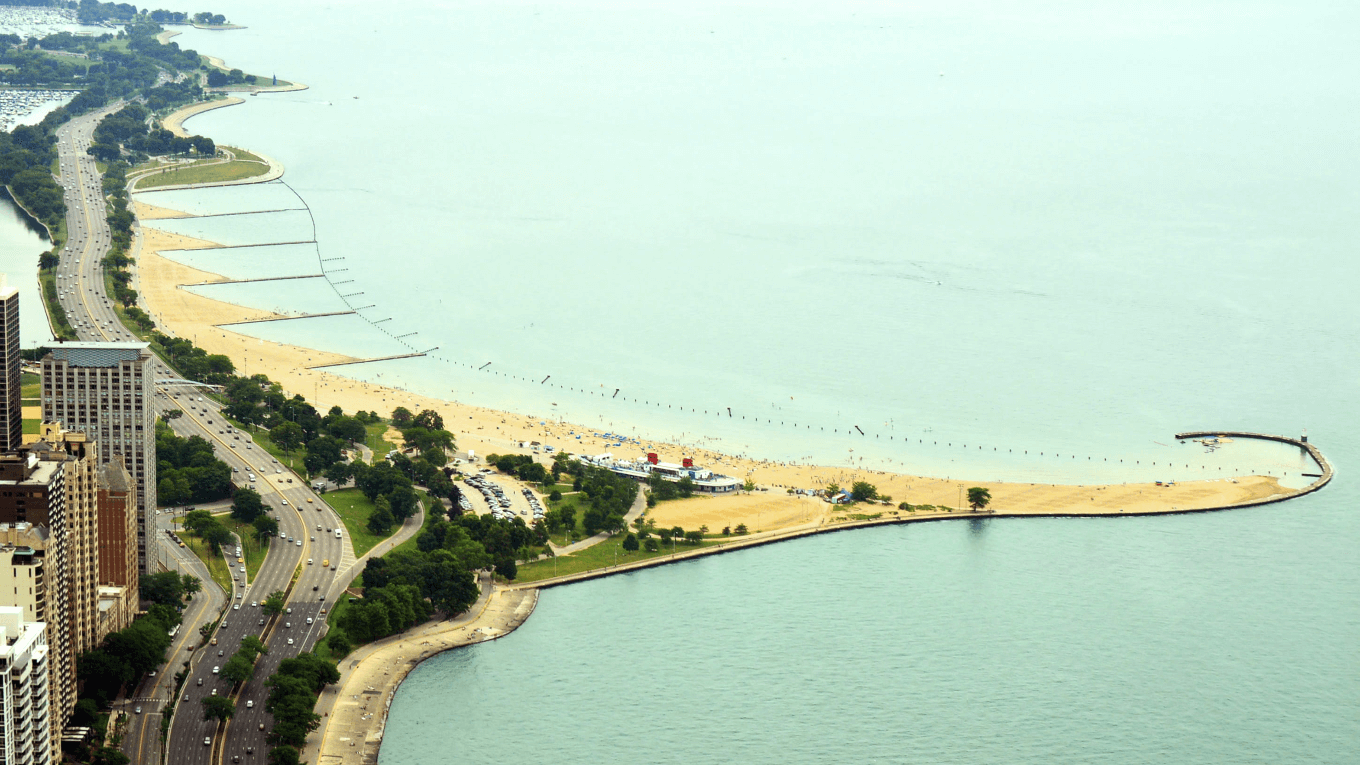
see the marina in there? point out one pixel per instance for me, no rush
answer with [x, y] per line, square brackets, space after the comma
[28, 107]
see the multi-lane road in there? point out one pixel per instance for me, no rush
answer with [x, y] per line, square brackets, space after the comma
[307, 525]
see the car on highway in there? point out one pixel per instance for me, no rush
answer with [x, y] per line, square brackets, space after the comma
[299, 543]
[216, 669]
[136, 710]
[207, 741]
[290, 641]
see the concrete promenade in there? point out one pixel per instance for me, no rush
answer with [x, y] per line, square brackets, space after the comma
[354, 710]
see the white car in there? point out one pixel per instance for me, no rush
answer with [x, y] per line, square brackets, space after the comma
[290, 641]
[299, 543]
[236, 607]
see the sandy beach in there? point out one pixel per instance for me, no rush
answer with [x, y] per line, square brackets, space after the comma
[185, 314]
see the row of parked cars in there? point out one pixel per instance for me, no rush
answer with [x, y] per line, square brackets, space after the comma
[494, 494]
[534, 504]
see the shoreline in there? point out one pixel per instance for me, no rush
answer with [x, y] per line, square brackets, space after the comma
[207, 321]
[360, 679]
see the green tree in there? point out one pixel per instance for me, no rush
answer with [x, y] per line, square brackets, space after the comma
[274, 603]
[741, 528]
[218, 708]
[694, 537]
[266, 527]
[652, 545]
[630, 542]
[190, 584]
[246, 506]
[253, 645]
[166, 588]
[380, 520]
[863, 491]
[238, 669]
[283, 755]
[979, 497]
[287, 435]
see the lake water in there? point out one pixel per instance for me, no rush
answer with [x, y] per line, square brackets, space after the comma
[1073, 229]
[21, 242]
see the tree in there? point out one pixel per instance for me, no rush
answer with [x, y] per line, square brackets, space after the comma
[287, 435]
[741, 528]
[253, 645]
[238, 669]
[273, 604]
[652, 545]
[266, 527]
[978, 497]
[246, 506]
[402, 417]
[694, 537]
[218, 708]
[283, 755]
[863, 491]
[166, 588]
[428, 419]
[338, 473]
[380, 520]
[832, 490]
[191, 584]
[630, 542]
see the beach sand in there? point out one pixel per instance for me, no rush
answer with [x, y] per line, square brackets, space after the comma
[490, 431]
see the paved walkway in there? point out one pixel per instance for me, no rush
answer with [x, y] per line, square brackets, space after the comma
[354, 710]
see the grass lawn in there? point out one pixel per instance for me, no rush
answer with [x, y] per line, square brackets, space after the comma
[226, 171]
[376, 442]
[254, 551]
[598, 556]
[354, 508]
[217, 566]
[32, 426]
[243, 154]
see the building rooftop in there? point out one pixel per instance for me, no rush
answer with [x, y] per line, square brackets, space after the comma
[91, 354]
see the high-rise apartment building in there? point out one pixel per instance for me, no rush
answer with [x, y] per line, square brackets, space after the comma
[105, 390]
[117, 534]
[11, 402]
[49, 488]
[25, 702]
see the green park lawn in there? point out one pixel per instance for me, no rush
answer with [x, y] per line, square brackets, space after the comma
[203, 173]
[354, 508]
[217, 566]
[598, 556]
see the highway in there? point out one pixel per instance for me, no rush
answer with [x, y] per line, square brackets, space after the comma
[308, 526]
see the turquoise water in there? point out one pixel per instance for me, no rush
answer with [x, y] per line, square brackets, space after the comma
[991, 224]
[1059, 232]
[1198, 639]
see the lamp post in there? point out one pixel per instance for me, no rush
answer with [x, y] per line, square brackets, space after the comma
[960, 498]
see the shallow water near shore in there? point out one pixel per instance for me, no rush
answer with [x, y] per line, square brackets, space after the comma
[1192, 639]
[1060, 237]
[717, 209]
